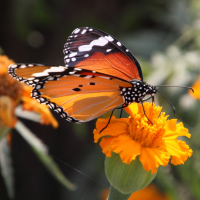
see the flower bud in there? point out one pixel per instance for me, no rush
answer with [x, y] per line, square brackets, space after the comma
[127, 178]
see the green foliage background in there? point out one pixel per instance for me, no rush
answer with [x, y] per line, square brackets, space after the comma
[165, 38]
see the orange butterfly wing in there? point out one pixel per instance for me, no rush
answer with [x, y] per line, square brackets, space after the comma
[95, 50]
[81, 98]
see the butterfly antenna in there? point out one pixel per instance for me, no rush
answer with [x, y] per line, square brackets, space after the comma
[190, 88]
[168, 102]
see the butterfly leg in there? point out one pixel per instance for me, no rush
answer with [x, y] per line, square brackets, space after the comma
[153, 100]
[120, 116]
[142, 100]
[124, 106]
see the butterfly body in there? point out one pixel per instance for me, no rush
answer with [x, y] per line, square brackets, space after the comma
[137, 92]
[99, 75]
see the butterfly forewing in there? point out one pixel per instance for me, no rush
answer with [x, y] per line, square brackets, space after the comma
[92, 49]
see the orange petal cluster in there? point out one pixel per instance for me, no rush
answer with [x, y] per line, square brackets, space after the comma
[155, 144]
[196, 88]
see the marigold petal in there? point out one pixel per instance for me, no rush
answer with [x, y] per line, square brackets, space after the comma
[182, 131]
[115, 127]
[173, 131]
[173, 147]
[172, 124]
[7, 111]
[196, 88]
[127, 148]
[132, 109]
[33, 105]
[153, 158]
[185, 153]
[106, 145]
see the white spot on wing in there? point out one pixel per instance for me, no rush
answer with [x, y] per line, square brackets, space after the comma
[84, 31]
[55, 69]
[109, 38]
[98, 42]
[13, 66]
[23, 66]
[108, 50]
[78, 69]
[76, 30]
[38, 87]
[86, 55]
[72, 54]
[73, 59]
[40, 74]
[119, 43]
[30, 79]
[52, 69]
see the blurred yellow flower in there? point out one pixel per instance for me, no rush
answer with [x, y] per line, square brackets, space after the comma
[196, 88]
[12, 93]
[151, 192]
[155, 144]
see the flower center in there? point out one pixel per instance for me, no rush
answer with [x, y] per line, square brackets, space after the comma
[147, 134]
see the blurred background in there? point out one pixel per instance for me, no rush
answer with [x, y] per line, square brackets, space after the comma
[165, 38]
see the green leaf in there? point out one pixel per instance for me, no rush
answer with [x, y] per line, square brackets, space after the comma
[42, 152]
[4, 130]
[6, 167]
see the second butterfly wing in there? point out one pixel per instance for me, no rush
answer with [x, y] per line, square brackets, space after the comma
[95, 50]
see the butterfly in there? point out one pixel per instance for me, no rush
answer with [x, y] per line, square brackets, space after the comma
[100, 74]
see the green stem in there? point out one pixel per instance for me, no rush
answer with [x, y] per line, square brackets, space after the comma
[115, 194]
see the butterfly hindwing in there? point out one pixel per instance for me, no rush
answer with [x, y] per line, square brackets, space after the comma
[93, 49]
[80, 97]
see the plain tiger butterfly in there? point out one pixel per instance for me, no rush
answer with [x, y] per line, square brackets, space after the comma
[100, 74]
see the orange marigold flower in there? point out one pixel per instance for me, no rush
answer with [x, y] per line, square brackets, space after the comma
[155, 144]
[148, 193]
[12, 93]
[196, 87]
